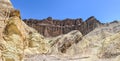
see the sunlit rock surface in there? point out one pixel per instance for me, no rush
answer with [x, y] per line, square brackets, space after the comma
[5, 4]
[19, 42]
[62, 43]
[102, 44]
[16, 37]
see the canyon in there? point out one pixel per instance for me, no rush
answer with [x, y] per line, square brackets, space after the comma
[56, 40]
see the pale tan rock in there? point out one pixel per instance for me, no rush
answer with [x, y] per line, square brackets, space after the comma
[117, 58]
[5, 4]
[37, 44]
[17, 40]
[110, 46]
[92, 47]
[16, 37]
[62, 43]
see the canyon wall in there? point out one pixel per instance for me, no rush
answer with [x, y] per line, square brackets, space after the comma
[50, 27]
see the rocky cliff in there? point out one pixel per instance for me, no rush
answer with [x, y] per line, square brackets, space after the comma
[19, 42]
[16, 38]
[50, 27]
[101, 44]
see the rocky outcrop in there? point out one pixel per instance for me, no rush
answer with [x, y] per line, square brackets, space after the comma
[16, 38]
[62, 43]
[50, 27]
[19, 42]
[96, 42]
[101, 44]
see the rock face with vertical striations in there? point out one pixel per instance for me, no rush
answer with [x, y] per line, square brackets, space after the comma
[50, 27]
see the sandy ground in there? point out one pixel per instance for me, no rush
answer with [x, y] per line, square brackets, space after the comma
[60, 58]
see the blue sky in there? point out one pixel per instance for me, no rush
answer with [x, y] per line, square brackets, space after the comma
[103, 10]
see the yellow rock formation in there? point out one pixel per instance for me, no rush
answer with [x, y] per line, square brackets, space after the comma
[17, 39]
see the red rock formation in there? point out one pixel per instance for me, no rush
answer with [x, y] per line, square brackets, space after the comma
[50, 27]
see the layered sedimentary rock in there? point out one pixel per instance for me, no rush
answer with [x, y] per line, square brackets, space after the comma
[103, 41]
[16, 38]
[101, 44]
[19, 42]
[62, 43]
[50, 27]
